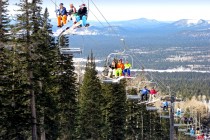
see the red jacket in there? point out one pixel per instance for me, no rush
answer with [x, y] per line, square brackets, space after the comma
[153, 91]
[201, 137]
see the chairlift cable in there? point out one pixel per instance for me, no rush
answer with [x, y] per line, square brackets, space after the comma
[104, 17]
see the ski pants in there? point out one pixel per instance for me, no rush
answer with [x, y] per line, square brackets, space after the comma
[118, 72]
[151, 97]
[61, 20]
[126, 71]
[83, 18]
[111, 72]
[142, 97]
[165, 107]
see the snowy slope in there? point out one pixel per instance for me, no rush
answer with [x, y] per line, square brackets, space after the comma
[191, 23]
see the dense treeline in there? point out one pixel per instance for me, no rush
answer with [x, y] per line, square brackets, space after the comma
[186, 84]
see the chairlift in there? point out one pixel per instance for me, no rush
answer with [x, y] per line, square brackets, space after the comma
[69, 51]
[180, 125]
[114, 56]
[165, 117]
[132, 97]
[151, 108]
[65, 50]
[152, 84]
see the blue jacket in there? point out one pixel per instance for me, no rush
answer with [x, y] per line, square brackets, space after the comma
[144, 91]
[165, 103]
[192, 132]
[62, 11]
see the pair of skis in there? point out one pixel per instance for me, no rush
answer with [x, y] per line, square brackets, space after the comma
[68, 30]
[147, 102]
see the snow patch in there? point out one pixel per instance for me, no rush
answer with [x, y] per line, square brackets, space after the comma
[180, 69]
[76, 60]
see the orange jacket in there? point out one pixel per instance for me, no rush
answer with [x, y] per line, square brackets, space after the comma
[120, 65]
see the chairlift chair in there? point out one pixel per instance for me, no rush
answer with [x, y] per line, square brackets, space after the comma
[113, 56]
[123, 55]
[132, 97]
[152, 84]
[165, 117]
[69, 50]
[180, 124]
[151, 108]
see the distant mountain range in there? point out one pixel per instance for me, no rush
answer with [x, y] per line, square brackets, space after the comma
[187, 27]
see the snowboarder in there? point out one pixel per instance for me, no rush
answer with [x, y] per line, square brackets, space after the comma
[62, 15]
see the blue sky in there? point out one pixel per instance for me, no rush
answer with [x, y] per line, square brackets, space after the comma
[163, 10]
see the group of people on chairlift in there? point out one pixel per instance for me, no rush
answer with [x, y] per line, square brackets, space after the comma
[145, 91]
[198, 133]
[73, 14]
[117, 68]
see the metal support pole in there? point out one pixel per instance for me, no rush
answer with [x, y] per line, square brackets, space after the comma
[171, 116]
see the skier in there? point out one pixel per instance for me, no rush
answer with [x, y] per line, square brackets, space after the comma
[120, 67]
[62, 15]
[82, 15]
[200, 137]
[144, 92]
[127, 68]
[72, 14]
[165, 105]
[153, 92]
[112, 69]
[185, 120]
[178, 112]
[197, 132]
[190, 120]
[192, 132]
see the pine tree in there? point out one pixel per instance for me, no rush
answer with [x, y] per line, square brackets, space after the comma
[46, 86]
[114, 110]
[134, 118]
[67, 94]
[26, 23]
[90, 114]
[4, 20]
[15, 117]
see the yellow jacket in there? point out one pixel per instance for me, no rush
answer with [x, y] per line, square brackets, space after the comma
[127, 66]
